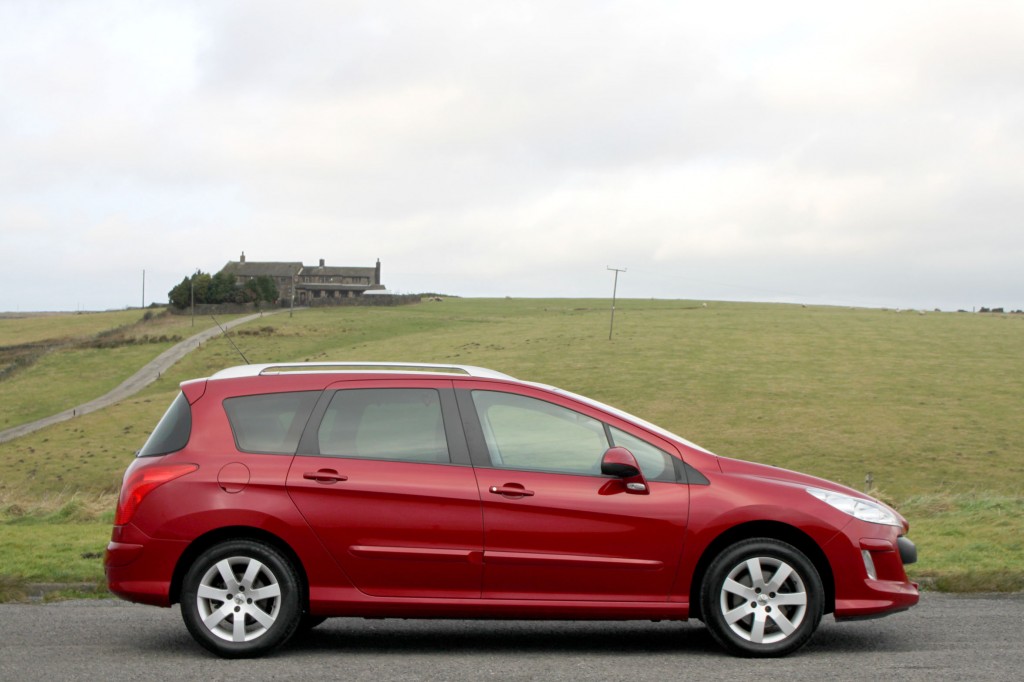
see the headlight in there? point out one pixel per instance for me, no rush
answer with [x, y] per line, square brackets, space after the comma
[865, 510]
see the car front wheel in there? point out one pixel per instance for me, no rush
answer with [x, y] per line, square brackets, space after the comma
[241, 599]
[761, 598]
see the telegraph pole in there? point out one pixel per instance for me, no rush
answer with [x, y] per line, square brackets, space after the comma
[615, 288]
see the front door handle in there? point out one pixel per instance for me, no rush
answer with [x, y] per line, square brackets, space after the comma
[325, 476]
[511, 490]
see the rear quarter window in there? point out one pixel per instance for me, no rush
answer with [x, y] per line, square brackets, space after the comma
[172, 432]
[269, 423]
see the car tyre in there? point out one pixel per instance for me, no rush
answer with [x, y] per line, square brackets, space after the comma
[762, 598]
[241, 599]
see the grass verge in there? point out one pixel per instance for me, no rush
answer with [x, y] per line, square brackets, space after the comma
[968, 543]
[57, 539]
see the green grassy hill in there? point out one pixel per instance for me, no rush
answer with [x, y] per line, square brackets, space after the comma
[928, 404]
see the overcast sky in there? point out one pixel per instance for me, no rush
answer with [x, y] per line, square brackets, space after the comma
[863, 153]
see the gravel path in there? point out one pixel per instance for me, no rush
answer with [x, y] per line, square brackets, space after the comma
[133, 384]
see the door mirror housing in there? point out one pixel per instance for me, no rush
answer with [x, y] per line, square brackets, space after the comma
[621, 463]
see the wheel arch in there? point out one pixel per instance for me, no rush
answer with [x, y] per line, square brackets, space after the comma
[774, 530]
[215, 537]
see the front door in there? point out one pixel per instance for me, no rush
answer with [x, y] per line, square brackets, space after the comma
[554, 527]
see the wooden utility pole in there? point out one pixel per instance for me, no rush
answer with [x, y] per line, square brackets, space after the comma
[615, 288]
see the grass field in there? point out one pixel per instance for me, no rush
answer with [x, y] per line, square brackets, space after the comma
[17, 329]
[928, 404]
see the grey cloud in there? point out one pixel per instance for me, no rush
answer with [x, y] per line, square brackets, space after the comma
[776, 151]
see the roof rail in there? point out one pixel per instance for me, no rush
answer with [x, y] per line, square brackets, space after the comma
[301, 367]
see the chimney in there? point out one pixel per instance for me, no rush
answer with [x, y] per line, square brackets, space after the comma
[321, 262]
[243, 258]
[376, 273]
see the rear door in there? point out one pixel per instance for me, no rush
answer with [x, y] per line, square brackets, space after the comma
[383, 477]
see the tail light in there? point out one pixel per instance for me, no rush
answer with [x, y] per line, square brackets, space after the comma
[141, 482]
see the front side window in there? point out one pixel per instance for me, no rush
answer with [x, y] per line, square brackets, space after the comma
[535, 435]
[656, 464]
[270, 423]
[525, 433]
[402, 424]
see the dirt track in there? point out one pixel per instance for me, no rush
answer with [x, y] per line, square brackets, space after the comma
[133, 384]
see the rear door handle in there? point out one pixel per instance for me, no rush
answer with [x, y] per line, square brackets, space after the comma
[325, 476]
[511, 490]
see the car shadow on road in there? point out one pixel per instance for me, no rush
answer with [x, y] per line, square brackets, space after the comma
[355, 636]
[886, 635]
[422, 636]
[372, 637]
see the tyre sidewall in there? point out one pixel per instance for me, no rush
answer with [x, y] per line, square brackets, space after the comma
[715, 578]
[289, 613]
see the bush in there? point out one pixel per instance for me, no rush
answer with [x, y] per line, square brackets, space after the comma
[221, 288]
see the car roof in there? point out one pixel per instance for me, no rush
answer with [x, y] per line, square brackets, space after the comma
[421, 368]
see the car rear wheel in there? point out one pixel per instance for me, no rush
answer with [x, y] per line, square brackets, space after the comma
[241, 599]
[761, 598]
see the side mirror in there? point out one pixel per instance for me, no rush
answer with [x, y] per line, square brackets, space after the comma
[621, 463]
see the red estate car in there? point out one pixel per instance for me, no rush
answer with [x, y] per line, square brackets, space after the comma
[271, 497]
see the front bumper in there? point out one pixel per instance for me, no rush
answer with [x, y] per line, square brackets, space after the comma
[908, 550]
[868, 566]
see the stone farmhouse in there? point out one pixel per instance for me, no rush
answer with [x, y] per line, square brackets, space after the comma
[309, 284]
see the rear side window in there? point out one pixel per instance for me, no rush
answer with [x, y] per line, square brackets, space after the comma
[270, 423]
[402, 424]
[173, 431]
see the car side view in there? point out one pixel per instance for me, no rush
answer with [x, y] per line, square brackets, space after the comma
[272, 497]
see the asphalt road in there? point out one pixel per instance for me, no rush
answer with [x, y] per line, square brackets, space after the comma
[943, 638]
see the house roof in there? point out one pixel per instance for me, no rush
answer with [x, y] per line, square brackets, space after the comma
[313, 286]
[258, 269]
[328, 271]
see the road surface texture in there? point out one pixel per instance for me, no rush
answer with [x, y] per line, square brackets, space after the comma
[133, 384]
[944, 638]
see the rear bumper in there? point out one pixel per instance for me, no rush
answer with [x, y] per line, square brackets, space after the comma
[140, 568]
